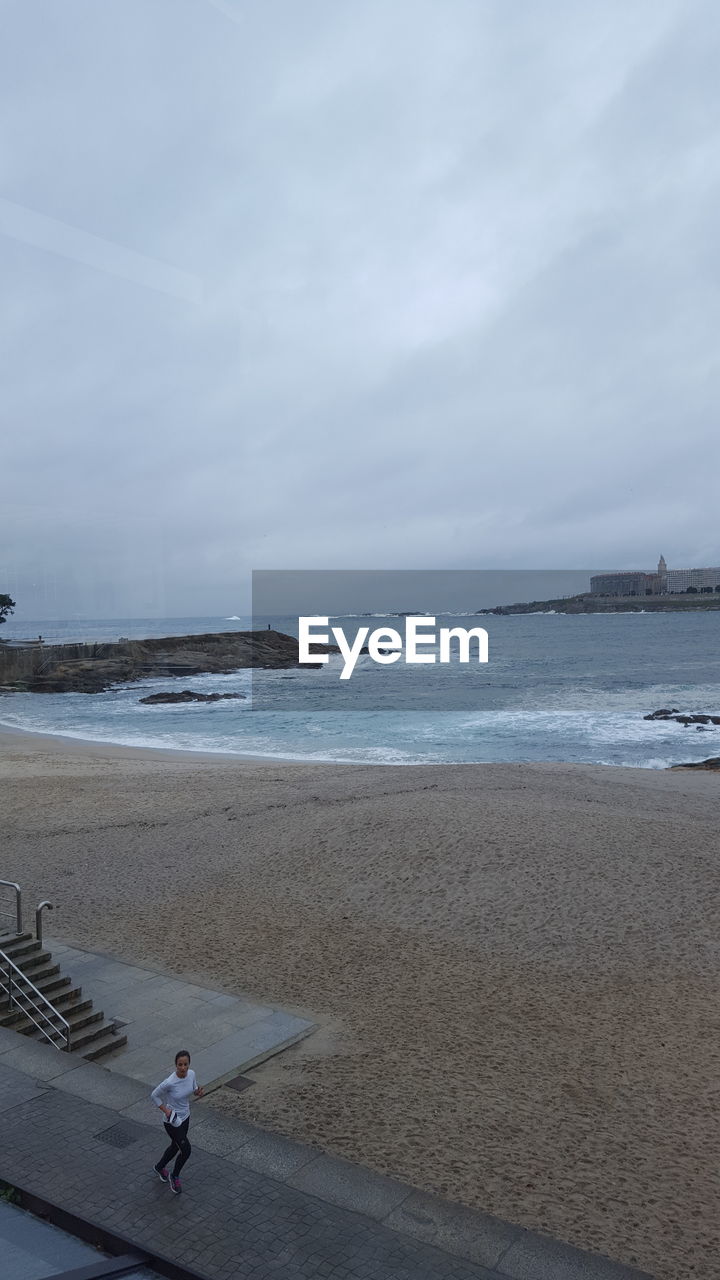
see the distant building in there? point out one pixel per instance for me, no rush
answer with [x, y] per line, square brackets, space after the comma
[681, 579]
[640, 582]
[630, 583]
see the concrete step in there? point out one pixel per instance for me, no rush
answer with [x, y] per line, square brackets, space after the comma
[53, 983]
[9, 937]
[72, 1007]
[85, 1035]
[60, 990]
[107, 1042]
[22, 944]
[83, 1017]
[79, 1016]
[36, 972]
[31, 960]
[91, 1034]
[71, 999]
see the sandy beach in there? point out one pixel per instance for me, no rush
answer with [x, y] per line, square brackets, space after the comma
[514, 968]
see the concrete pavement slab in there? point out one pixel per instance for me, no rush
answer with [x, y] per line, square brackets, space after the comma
[41, 1061]
[218, 1134]
[96, 1084]
[9, 1040]
[248, 1047]
[143, 1111]
[227, 1002]
[16, 1087]
[147, 1065]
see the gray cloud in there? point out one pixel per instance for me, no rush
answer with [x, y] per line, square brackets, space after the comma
[459, 291]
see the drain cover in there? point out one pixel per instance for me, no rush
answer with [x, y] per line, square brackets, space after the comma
[118, 1136]
[239, 1083]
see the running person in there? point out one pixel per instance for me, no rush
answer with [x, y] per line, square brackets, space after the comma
[173, 1099]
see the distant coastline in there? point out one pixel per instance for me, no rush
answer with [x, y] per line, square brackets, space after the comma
[590, 603]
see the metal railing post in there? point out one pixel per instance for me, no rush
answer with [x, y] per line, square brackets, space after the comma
[38, 918]
[9, 987]
[10, 884]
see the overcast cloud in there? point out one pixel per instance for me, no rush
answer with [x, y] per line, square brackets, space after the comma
[353, 283]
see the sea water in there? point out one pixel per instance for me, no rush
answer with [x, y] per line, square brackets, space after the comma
[557, 687]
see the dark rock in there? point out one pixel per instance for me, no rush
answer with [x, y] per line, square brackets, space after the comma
[188, 695]
[685, 719]
[712, 763]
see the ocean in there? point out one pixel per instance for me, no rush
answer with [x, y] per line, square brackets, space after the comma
[557, 688]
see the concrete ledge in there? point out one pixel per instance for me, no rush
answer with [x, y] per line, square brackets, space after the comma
[467, 1233]
[350, 1186]
[536, 1257]
[273, 1155]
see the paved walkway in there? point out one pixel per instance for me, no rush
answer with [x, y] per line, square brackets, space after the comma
[160, 1015]
[255, 1206]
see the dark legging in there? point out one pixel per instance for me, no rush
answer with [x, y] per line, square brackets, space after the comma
[179, 1144]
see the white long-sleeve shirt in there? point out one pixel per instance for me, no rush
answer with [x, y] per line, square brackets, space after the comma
[176, 1093]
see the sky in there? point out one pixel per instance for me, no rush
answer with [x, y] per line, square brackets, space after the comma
[363, 284]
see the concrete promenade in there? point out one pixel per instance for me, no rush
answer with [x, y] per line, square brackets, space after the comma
[159, 1013]
[254, 1205]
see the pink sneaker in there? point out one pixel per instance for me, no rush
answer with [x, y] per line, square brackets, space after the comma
[162, 1174]
[175, 1185]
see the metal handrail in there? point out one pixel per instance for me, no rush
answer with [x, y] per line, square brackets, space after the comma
[10, 884]
[38, 918]
[15, 977]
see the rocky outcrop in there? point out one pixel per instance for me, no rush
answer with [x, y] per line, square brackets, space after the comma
[712, 763]
[92, 668]
[187, 695]
[685, 718]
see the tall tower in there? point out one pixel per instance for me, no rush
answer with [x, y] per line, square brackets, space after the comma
[662, 576]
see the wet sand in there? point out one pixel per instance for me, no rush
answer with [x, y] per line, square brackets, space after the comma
[514, 967]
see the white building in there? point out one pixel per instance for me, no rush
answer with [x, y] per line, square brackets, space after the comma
[680, 579]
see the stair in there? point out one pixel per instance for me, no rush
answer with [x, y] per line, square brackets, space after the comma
[91, 1034]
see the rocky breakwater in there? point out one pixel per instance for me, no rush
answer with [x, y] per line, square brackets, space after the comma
[187, 695]
[683, 717]
[92, 668]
